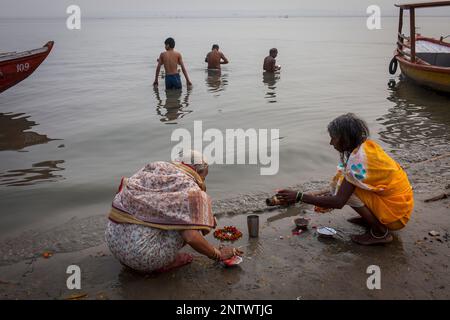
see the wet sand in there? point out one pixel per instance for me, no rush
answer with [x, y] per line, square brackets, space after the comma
[277, 265]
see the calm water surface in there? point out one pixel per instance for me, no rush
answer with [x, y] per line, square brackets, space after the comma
[89, 115]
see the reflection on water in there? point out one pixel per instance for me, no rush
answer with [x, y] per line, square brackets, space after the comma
[38, 173]
[13, 135]
[173, 108]
[216, 81]
[270, 80]
[419, 117]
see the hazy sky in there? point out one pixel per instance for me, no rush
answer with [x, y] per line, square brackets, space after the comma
[146, 8]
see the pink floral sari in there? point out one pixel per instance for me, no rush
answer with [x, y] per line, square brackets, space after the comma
[168, 196]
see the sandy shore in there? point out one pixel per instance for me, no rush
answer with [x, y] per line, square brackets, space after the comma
[277, 265]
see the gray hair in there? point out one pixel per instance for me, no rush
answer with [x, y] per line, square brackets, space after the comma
[351, 132]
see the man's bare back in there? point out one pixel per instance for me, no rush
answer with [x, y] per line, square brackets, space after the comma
[215, 58]
[170, 59]
[270, 62]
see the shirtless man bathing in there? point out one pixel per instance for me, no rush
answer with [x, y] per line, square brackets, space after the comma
[215, 58]
[171, 59]
[270, 62]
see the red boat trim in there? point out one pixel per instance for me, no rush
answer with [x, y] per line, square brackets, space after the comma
[48, 47]
[442, 43]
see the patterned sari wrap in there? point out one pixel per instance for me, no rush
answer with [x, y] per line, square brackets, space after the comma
[381, 184]
[163, 195]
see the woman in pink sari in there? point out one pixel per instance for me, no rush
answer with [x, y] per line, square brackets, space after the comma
[158, 210]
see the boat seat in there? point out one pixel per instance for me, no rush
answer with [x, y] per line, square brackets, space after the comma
[440, 59]
[433, 53]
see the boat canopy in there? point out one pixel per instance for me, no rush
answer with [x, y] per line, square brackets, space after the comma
[408, 6]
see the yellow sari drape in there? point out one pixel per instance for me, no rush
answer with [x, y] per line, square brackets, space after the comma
[381, 184]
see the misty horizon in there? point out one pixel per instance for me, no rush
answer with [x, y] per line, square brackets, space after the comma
[203, 9]
[221, 16]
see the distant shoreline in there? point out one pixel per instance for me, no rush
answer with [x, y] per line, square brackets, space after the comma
[281, 16]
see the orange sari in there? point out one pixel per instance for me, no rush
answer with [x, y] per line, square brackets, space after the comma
[381, 184]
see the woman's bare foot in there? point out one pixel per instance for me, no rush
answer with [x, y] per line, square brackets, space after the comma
[181, 260]
[359, 221]
[369, 238]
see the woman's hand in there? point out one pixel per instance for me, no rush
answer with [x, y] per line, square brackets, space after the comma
[286, 197]
[199, 244]
[229, 252]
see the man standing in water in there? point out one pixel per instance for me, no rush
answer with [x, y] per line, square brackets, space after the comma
[215, 58]
[171, 59]
[270, 62]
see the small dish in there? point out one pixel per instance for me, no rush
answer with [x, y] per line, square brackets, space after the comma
[327, 232]
[301, 223]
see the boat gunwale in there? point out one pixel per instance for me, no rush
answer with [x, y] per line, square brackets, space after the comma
[423, 67]
[433, 40]
[420, 64]
[30, 56]
[48, 46]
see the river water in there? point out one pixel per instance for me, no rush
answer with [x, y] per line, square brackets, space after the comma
[89, 114]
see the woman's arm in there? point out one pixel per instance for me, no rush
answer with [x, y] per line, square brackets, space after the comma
[335, 202]
[199, 244]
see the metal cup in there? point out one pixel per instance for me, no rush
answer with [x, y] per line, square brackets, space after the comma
[253, 226]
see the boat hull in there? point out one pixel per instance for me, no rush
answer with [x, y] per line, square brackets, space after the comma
[436, 78]
[15, 70]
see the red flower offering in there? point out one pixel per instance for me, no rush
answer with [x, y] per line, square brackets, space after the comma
[228, 233]
[322, 210]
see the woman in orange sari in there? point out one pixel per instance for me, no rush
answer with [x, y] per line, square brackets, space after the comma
[368, 180]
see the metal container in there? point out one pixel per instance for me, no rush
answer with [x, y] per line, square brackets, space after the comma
[253, 225]
[301, 223]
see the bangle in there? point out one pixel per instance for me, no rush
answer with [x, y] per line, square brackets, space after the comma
[216, 255]
[299, 197]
